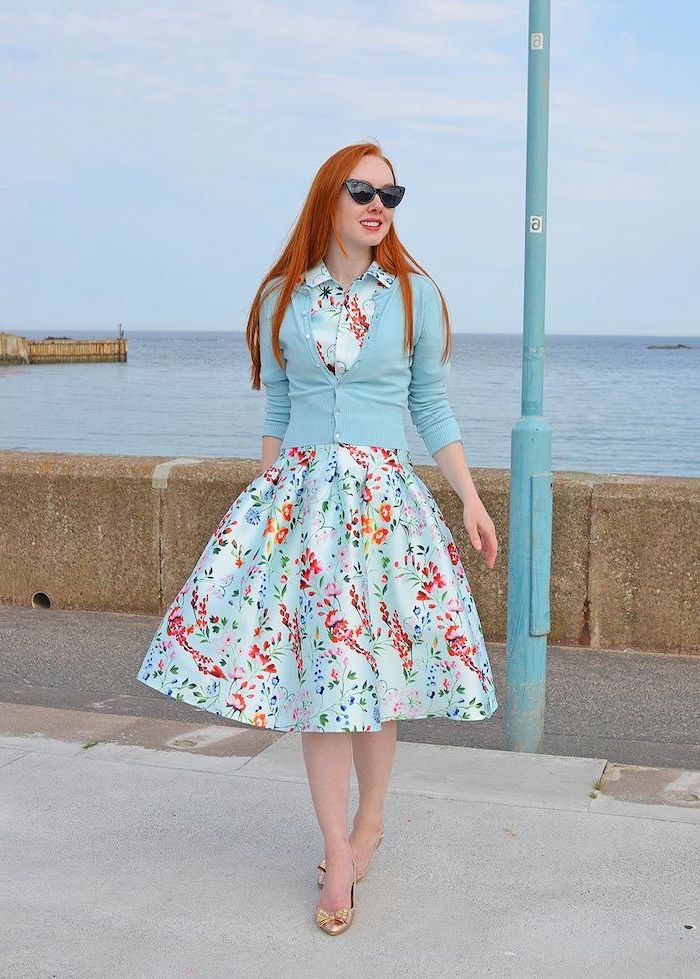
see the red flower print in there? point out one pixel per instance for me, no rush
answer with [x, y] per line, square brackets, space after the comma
[379, 535]
[385, 511]
[454, 554]
[459, 646]
[400, 639]
[259, 719]
[336, 625]
[294, 630]
[237, 701]
[358, 454]
[359, 324]
[266, 663]
[433, 579]
[304, 457]
[310, 566]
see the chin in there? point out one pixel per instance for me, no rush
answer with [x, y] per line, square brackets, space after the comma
[373, 239]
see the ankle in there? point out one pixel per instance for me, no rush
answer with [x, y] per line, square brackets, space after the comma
[338, 851]
[370, 826]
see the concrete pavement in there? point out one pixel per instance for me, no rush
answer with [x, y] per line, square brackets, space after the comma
[137, 847]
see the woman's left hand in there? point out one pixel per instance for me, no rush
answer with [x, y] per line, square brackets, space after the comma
[481, 530]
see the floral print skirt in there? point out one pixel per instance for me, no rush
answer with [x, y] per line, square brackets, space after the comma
[330, 597]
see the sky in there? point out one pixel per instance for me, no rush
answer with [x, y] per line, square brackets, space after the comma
[156, 155]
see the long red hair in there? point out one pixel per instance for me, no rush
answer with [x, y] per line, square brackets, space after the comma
[307, 245]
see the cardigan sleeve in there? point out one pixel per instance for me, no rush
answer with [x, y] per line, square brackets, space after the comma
[428, 403]
[274, 378]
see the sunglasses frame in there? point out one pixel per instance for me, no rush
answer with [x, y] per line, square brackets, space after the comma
[377, 190]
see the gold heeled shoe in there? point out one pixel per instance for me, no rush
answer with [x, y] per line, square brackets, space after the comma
[336, 922]
[322, 864]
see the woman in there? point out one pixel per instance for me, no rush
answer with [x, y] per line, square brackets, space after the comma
[331, 599]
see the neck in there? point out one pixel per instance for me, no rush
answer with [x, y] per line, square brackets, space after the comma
[346, 268]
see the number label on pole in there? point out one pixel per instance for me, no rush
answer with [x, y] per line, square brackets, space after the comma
[537, 41]
[536, 223]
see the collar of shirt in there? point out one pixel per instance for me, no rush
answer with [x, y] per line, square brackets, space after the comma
[319, 274]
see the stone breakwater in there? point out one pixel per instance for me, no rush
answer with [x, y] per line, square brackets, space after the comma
[15, 349]
[122, 533]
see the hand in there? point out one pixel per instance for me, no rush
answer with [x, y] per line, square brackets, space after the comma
[481, 530]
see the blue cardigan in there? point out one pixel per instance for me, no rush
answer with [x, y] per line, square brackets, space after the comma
[307, 404]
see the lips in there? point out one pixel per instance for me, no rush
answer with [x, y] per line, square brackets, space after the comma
[371, 225]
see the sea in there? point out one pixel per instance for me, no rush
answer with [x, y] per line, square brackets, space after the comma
[615, 404]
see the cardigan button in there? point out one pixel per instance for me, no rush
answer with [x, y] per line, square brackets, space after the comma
[337, 435]
[308, 336]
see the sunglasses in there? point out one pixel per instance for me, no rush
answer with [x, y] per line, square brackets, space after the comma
[363, 192]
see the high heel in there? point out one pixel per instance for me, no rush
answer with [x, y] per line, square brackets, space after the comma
[336, 922]
[322, 865]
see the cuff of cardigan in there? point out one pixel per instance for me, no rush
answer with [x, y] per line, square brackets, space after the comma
[275, 429]
[442, 434]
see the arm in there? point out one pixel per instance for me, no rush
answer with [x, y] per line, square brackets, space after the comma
[427, 392]
[436, 424]
[276, 382]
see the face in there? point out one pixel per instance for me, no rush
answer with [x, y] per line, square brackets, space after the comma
[360, 225]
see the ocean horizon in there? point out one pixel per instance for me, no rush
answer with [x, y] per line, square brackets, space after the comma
[615, 405]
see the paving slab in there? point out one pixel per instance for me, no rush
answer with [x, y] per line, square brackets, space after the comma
[125, 868]
[89, 726]
[469, 774]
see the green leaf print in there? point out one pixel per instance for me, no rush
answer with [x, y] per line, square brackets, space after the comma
[279, 592]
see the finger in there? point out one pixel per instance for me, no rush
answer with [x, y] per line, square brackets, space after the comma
[474, 536]
[491, 549]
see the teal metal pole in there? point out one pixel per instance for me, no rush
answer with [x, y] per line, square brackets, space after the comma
[530, 502]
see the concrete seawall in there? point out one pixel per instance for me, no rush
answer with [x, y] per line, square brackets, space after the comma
[122, 533]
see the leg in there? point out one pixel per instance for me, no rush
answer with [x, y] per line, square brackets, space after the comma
[328, 761]
[373, 753]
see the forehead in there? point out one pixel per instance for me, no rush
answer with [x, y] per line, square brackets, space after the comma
[374, 169]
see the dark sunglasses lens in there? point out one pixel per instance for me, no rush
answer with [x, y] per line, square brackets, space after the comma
[391, 196]
[360, 191]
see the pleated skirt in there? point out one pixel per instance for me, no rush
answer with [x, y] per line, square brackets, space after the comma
[330, 597]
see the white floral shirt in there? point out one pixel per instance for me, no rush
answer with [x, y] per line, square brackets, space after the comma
[341, 320]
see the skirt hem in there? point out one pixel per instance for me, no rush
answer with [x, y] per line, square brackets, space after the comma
[376, 726]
